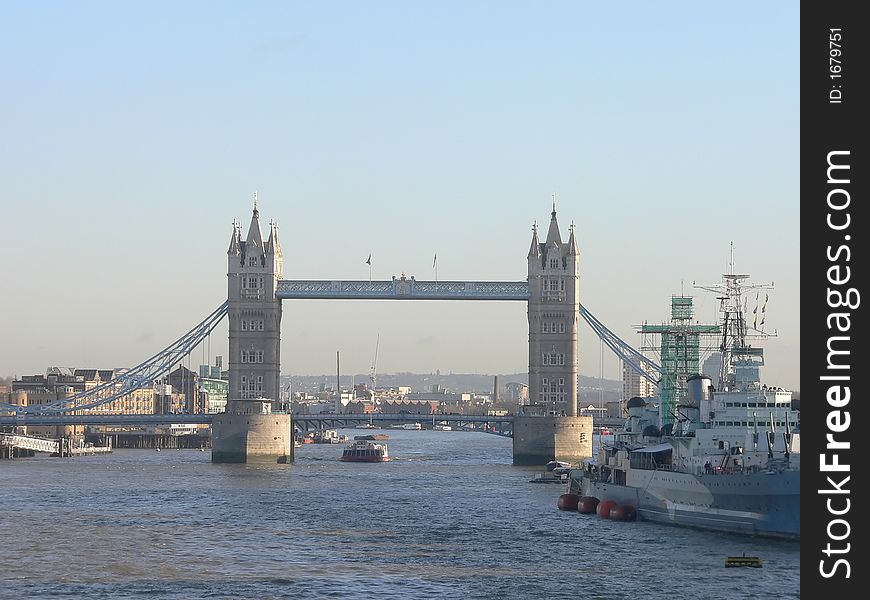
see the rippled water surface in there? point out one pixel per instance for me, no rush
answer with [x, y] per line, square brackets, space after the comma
[450, 518]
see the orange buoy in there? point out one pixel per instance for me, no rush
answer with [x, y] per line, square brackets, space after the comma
[587, 505]
[603, 509]
[568, 502]
[622, 513]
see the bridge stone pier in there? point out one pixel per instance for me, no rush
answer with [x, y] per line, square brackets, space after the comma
[254, 428]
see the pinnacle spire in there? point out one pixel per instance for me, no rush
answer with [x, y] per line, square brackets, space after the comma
[573, 250]
[535, 249]
[254, 241]
[272, 245]
[235, 246]
[553, 235]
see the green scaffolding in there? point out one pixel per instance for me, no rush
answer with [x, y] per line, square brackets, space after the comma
[680, 353]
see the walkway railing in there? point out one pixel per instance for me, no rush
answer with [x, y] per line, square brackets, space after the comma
[26, 442]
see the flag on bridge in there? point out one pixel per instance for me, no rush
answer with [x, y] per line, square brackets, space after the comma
[369, 260]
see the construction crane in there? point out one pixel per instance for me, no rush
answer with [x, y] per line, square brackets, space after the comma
[374, 375]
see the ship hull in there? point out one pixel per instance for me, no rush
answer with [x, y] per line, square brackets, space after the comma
[762, 504]
[367, 459]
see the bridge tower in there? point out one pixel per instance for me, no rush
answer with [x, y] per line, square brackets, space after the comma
[554, 315]
[556, 431]
[253, 271]
[253, 428]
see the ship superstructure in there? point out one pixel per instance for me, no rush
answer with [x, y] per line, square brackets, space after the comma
[729, 457]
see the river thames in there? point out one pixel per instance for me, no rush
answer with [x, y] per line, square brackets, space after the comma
[449, 517]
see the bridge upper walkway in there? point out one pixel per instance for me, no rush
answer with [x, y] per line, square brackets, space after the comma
[401, 289]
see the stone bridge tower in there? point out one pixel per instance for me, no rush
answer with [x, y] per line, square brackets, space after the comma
[552, 430]
[253, 270]
[253, 427]
[554, 313]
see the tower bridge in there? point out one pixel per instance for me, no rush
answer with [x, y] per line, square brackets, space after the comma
[256, 291]
[250, 430]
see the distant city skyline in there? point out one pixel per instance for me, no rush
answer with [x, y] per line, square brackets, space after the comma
[397, 132]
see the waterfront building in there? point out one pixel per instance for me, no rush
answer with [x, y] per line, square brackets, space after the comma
[167, 401]
[517, 392]
[61, 382]
[712, 367]
[214, 371]
[216, 392]
[187, 382]
[342, 399]
[312, 408]
[360, 407]
[439, 397]
[593, 411]
[413, 407]
[634, 385]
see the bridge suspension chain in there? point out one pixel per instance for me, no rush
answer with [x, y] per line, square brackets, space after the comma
[639, 363]
[145, 374]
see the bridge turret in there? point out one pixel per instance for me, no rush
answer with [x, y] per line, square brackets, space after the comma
[554, 313]
[235, 249]
[254, 269]
[273, 250]
[573, 250]
[251, 430]
[535, 248]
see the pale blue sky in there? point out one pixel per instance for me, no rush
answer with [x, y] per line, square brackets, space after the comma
[133, 135]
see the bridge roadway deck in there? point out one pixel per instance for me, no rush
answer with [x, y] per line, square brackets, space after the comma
[310, 421]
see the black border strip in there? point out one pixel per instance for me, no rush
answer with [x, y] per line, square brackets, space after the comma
[833, 232]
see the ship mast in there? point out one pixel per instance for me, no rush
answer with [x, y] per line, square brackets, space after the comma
[735, 331]
[374, 375]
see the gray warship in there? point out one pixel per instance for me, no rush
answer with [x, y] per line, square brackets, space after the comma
[729, 461]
